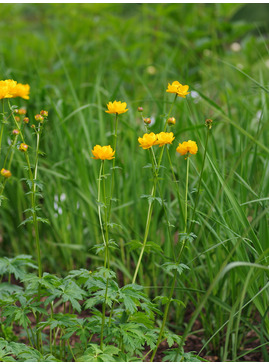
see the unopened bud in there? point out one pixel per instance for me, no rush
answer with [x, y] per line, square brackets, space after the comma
[33, 126]
[209, 123]
[15, 111]
[26, 120]
[39, 118]
[140, 109]
[23, 147]
[171, 121]
[22, 111]
[17, 118]
[5, 173]
[15, 132]
[44, 113]
[147, 121]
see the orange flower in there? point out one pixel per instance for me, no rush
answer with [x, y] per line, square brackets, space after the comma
[187, 147]
[117, 107]
[148, 140]
[103, 153]
[164, 138]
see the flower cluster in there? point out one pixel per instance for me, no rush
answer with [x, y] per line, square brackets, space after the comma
[150, 139]
[177, 88]
[11, 89]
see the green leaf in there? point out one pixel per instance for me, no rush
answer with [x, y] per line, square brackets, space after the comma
[168, 267]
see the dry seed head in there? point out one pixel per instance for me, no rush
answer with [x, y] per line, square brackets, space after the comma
[209, 123]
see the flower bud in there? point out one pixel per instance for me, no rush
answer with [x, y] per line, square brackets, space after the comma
[209, 123]
[147, 121]
[15, 111]
[17, 118]
[39, 118]
[22, 111]
[33, 126]
[44, 113]
[15, 132]
[23, 147]
[171, 121]
[5, 173]
[26, 120]
[140, 109]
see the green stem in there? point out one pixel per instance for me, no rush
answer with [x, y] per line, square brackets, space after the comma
[99, 202]
[200, 181]
[169, 113]
[166, 310]
[2, 126]
[103, 317]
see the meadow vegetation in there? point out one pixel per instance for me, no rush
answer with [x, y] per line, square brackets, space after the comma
[128, 228]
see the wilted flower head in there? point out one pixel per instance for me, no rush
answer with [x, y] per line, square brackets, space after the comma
[187, 147]
[148, 140]
[23, 147]
[177, 88]
[116, 107]
[5, 173]
[103, 153]
[164, 138]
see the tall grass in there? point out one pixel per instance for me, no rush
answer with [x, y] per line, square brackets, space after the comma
[77, 58]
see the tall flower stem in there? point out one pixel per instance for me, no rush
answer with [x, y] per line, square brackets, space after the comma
[34, 215]
[2, 126]
[149, 215]
[166, 310]
[169, 113]
[200, 180]
[113, 166]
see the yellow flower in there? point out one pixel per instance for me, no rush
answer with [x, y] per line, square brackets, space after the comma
[187, 147]
[21, 90]
[23, 147]
[5, 89]
[148, 140]
[116, 107]
[103, 153]
[177, 88]
[5, 173]
[164, 138]
[10, 88]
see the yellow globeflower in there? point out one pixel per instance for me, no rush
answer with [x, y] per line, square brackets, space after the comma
[103, 153]
[148, 140]
[5, 89]
[177, 88]
[21, 90]
[5, 173]
[187, 147]
[116, 107]
[164, 138]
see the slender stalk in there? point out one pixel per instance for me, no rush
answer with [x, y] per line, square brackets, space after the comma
[166, 310]
[200, 181]
[99, 201]
[2, 126]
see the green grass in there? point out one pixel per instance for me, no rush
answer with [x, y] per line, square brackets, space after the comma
[77, 58]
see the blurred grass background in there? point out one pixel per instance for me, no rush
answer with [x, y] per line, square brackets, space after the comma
[77, 58]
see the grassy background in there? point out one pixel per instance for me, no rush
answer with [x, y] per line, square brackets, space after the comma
[77, 57]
